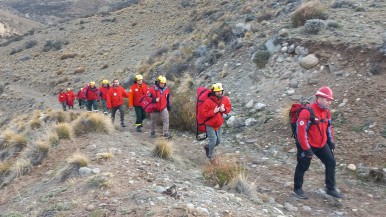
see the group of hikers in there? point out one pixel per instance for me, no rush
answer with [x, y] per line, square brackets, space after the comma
[312, 128]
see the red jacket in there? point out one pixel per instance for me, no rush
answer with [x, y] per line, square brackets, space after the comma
[70, 96]
[81, 95]
[163, 94]
[103, 91]
[62, 97]
[314, 135]
[115, 96]
[136, 92]
[207, 111]
[91, 93]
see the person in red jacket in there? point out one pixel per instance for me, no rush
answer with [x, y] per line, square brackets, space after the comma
[81, 96]
[137, 91]
[92, 96]
[212, 110]
[70, 98]
[315, 136]
[103, 92]
[160, 94]
[115, 101]
[62, 98]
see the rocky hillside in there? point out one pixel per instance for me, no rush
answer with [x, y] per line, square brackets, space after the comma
[265, 57]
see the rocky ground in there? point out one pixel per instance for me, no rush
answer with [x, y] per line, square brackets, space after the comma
[350, 59]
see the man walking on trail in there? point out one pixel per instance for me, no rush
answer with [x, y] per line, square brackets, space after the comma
[62, 98]
[137, 91]
[115, 101]
[103, 92]
[314, 136]
[92, 96]
[160, 95]
[81, 95]
[70, 98]
[212, 110]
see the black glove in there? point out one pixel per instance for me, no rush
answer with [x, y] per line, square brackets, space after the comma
[169, 107]
[308, 153]
[153, 100]
[332, 145]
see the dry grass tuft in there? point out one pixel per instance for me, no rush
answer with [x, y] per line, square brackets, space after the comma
[53, 139]
[184, 114]
[35, 123]
[11, 139]
[60, 116]
[92, 123]
[309, 10]
[283, 114]
[79, 70]
[241, 185]
[222, 173]
[38, 153]
[104, 156]
[163, 149]
[78, 159]
[73, 115]
[98, 181]
[63, 131]
[4, 168]
[21, 167]
[68, 56]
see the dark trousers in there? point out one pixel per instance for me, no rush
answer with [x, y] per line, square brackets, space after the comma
[141, 114]
[121, 112]
[92, 104]
[326, 156]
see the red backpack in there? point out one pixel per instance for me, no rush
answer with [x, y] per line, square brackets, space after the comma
[295, 110]
[202, 95]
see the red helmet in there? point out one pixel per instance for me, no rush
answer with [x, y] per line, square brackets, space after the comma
[325, 92]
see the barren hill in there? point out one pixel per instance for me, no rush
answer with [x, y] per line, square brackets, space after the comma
[265, 60]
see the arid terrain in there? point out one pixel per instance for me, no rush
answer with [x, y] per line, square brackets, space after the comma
[266, 59]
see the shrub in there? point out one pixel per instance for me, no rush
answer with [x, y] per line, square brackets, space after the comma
[21, 167]
[260, 58]
[4, 168]
[78, 159]
[222, 173]
[314, 26]
[307, 11]
[63, 131]
[30, 44]
[92, 123]
[79, 70]
[53, 45]
[163, 149]
[16, 50]
[60, 116]
[68, 56]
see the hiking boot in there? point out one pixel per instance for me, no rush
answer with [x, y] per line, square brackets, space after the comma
[139, 129]
[206, 150]
[152, 134]
[123, 124]
[167, 136]
[334, 193]
[300, 194]
[105, 113]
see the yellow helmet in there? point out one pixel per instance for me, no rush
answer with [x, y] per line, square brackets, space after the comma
[161, 79]
[216, 87]
[92, 83]
[138, 77]
[105, 82]
[68, 89]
